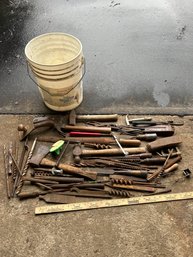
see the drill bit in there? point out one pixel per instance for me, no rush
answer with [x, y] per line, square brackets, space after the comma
[6, 171]
[26, 166]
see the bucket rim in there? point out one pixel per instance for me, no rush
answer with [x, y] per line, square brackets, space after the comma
[52, 33]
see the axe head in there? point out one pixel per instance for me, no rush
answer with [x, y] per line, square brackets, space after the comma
[40, 153]
[72, 118]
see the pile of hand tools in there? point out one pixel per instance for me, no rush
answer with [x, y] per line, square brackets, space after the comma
[96, 158]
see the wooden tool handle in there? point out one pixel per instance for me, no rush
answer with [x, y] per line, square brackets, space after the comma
[61, 179]
[70, 169]
[105, 117]
[94, 140]
[163, 143]
[86, 128]
[37, 180]
[25, 195]
[173, 161]
[135, 173]
[170, 169]
[129, 142]
[115, 151]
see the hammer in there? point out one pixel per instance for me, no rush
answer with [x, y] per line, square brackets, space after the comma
[73, 117]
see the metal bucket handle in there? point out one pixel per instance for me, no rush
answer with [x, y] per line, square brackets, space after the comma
[83, 62]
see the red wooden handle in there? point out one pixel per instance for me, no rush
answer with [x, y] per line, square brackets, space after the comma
[85, 134]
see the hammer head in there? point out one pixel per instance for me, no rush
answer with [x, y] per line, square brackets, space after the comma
[72, 118]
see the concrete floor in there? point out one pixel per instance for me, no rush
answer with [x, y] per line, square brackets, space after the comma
[164, 229]
[139, 53]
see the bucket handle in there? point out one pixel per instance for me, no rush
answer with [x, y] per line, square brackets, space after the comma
[83, 62]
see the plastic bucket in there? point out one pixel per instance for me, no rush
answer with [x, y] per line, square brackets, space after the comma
[58, 66]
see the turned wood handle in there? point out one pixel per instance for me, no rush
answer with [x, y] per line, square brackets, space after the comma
[70, 169]
[113, 151]
[134, 187]
[172, 168]
[105, 117]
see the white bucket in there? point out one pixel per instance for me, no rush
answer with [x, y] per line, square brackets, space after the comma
[57, 63]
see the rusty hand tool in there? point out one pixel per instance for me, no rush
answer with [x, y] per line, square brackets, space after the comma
[43, 185]
[87, 193]
[135, 156]
[14, 170]
[62, 154]
[15, 163]
[47, 172]
[70, 169]
[97, 146]
[56, 198]
[101, 163]
[135, 187]
[10, 161]
[39, 180]
[129, 121]
[160, 130]
[153, 123]
[102, 140]
[113, 151]
[17, 170]
[61, 179]
[86, 129]
[125, 180]
[5, 154]
[26, 166]
[164, 143]
[25, 148]
[173, 161]
[26, 132]
[64, 186]
[117, 193]
[158, 172]
[73, 117]
[147, 137]
[122, 179]
[81, 185]
[26, 195]
[29, 157]
[20, 165]
[162, 191]
[38, 122]
[39, 154]
[76, 153]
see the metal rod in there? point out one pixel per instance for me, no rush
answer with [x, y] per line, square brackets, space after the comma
[6, 171]
[117, 141]
[62, 153]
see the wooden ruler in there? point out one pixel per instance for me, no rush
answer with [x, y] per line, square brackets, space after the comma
[113, 203]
